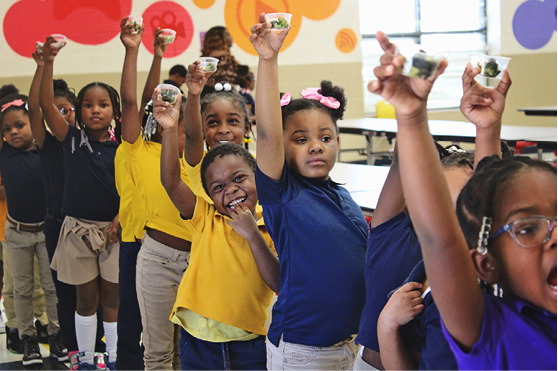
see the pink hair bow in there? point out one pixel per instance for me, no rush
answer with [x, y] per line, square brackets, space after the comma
[286, 99]
[17, 103]
[312, 93]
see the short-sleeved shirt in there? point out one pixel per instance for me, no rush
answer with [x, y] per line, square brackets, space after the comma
[144, 201]
[194, 175]
[320, 236]
[52, 170]
[222, 281]
[89, 186]
[393, 252]
[424, 332]
[25, 193]
[515, 336]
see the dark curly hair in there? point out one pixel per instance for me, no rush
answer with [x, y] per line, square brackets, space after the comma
[220, 151]
[8, 89]
[61, 89]
[114, 99]
[327, 89]
[214, 39]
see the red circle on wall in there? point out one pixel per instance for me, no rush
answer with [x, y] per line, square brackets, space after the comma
[168, 14]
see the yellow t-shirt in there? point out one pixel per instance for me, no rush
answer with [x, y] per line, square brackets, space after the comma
[144, 203]
[222, 282]
[194, 174]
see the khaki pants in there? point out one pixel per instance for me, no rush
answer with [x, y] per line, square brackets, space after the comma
[39, 307]
[159, 271]
[21, 248]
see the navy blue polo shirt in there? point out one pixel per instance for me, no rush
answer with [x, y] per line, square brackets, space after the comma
[320, 234]
[21, 175]
[52, 170]
[89, 186]
[424, 333]
[393, 251]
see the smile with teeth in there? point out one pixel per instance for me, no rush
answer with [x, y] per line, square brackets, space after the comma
[237, 201]
[224, 141]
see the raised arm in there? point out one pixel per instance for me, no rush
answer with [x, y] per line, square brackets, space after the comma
[131, 124]
[195, 81]
[270, 151]
[449, 267]
[154, 75]
[180, 194]
[35, 115]
[484, 107]
[54, 119]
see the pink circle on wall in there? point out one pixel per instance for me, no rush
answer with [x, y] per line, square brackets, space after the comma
[168, 14]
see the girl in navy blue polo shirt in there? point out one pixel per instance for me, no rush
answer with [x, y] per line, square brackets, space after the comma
[20, 168]
[504, 234]
[318, 230]
[87, 251]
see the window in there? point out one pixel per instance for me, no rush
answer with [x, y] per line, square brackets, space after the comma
[457, 28]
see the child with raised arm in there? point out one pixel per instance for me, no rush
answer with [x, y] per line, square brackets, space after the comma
[147, 213]
[223, 297]
[507, 236]
[393, 241]
[318, 230]
[87, 251]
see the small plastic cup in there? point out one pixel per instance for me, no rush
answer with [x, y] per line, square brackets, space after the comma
[39, 46]
[136, 21]
[169, 93]
[279, 21]
[491, 67]
[168, 35]
[419, 62]
[60, 40]
[208, 64]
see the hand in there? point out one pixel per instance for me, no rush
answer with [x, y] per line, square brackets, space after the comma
[406, 94]
[115, 230]
[165, 113]
[196, 79]
[159, 44]
[38, 57]
[480, 105]
[243, 221]
[402, 307]
[128, 38]
[266, 42]
[50, 51]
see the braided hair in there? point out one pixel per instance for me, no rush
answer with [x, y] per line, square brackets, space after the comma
[327, 89]
[232, 96]
[114, 99]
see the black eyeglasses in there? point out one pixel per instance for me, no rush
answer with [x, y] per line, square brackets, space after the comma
[66, 111]
[528, 232]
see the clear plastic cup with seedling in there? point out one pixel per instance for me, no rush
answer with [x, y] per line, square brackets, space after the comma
[136, 21]
[418, 61]
[60, 40]
[39, 46]
[168, 35]
[491, 67]
[169, 93]
[279, 21]
[208, 64]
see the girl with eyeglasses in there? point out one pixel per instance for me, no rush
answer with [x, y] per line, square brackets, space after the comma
[503, 234]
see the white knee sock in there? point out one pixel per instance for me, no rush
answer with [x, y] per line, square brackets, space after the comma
[111, 338]
[86, 334]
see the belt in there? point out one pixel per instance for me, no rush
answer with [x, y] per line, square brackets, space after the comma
[23, 227]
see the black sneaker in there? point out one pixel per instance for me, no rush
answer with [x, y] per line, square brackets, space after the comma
[42, 332]
[13, 342]
[31, 351]
[57, 348]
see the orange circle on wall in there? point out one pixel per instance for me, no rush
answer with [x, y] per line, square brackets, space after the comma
[204, 4]
[316, 10]
[346, 40]
[241, 15]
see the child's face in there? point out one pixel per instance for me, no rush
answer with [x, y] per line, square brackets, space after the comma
[527, 273]
[96, 109]
[231, 180]
[311, 143]
[63, 104]
[16, 129]
[223, 122]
